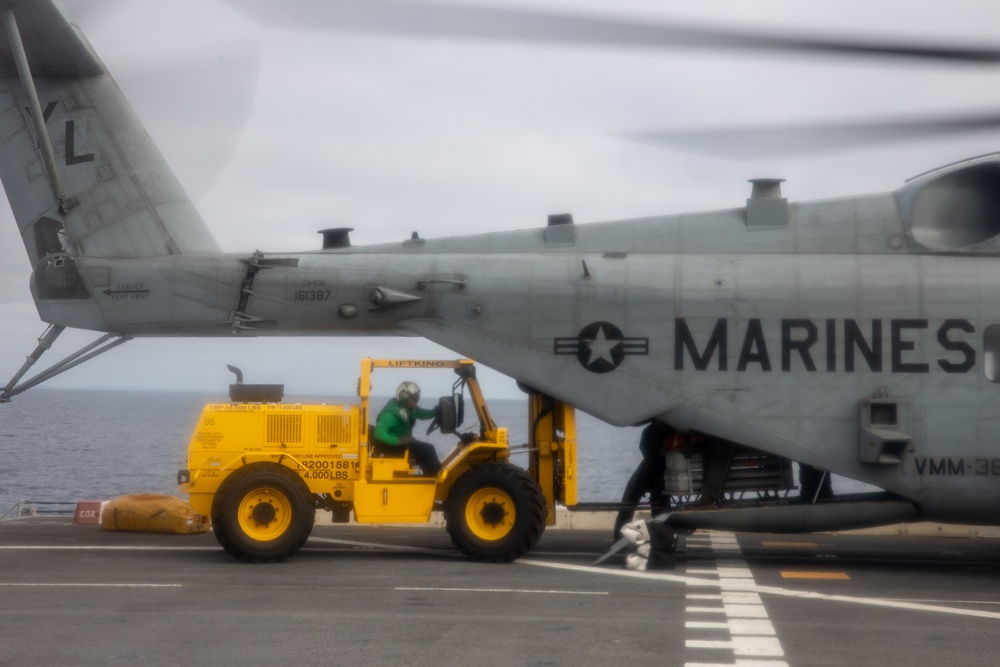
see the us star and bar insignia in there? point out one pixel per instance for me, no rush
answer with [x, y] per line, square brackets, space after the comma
[601, 347]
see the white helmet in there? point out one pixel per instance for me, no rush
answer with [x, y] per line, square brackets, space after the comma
[406, 391]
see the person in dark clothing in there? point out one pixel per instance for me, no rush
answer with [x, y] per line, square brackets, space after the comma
[649, 476]
[815, 484]
[394, 429]
[717, 456]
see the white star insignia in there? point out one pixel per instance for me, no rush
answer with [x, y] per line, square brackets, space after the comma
[601, 347]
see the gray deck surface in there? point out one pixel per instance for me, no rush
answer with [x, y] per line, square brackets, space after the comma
[77, 595]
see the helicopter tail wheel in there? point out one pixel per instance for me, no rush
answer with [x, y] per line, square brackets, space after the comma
[263, 513]
[495, 512]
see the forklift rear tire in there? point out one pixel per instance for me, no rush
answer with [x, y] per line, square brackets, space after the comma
[495, 512]
[263, 513]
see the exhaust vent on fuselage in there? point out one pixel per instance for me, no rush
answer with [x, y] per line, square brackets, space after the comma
[955, 210]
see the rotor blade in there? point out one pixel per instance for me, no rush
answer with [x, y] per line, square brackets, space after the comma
[762, 142]
[225, 88]
[203, 92]
[93, 11]
[434, 19]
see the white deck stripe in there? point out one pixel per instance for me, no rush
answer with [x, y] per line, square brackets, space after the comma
[767, 590]
[747, 631]
[386, 547]
[498, 590]
[891, 603]
[51, 585]
[735, 573]
[745, 610]
[746, 626]
[743, 646]
[83, 547]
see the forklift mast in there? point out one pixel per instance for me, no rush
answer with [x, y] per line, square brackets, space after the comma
[552, 443]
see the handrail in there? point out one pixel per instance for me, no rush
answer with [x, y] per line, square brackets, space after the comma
[30, 508]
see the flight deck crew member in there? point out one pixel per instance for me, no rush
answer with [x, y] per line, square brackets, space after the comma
[815, 484]
[394, 428]
[655, 442]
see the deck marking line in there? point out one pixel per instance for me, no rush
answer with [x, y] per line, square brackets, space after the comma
[994, 602]
[745, 611]
[108, 585]
[497, 590]
[751, 633]
[745, 645]
[794, 574]
[735, 573]
[706, 643]
[767, 590]
[736, 626]
[84, 547]
[629, 574]
[387, 547]
[796, 545]
[880, 602]
[752, 626]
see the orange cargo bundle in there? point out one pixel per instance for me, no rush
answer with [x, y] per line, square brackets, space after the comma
[153, 513]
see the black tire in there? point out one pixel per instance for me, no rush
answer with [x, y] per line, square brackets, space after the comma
[263, 513]
[495, 512]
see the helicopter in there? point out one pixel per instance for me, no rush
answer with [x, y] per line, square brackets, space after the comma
[852, 335]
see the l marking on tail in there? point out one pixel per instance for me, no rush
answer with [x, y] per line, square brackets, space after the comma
[71, 156]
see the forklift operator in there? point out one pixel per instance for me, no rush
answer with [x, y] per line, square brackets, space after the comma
[394, 429]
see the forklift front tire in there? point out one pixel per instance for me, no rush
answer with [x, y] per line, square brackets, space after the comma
[495, 512]
[263, 512]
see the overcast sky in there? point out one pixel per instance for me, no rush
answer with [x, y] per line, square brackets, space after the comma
[286, 132]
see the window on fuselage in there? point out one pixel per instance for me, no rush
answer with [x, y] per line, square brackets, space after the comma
[991, 350]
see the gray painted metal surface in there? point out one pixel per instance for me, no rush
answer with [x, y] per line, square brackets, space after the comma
[770, 328]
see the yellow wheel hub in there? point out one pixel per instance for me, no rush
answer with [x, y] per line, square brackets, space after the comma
[265, 514]
[490, 513]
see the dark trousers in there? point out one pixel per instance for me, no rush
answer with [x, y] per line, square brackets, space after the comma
[424, 455]
[815, 484]
[718, 456]
[648, 477]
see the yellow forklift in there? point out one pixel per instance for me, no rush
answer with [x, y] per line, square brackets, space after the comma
[261, 468]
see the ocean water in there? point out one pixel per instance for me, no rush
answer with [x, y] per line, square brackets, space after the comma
[74, 445]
